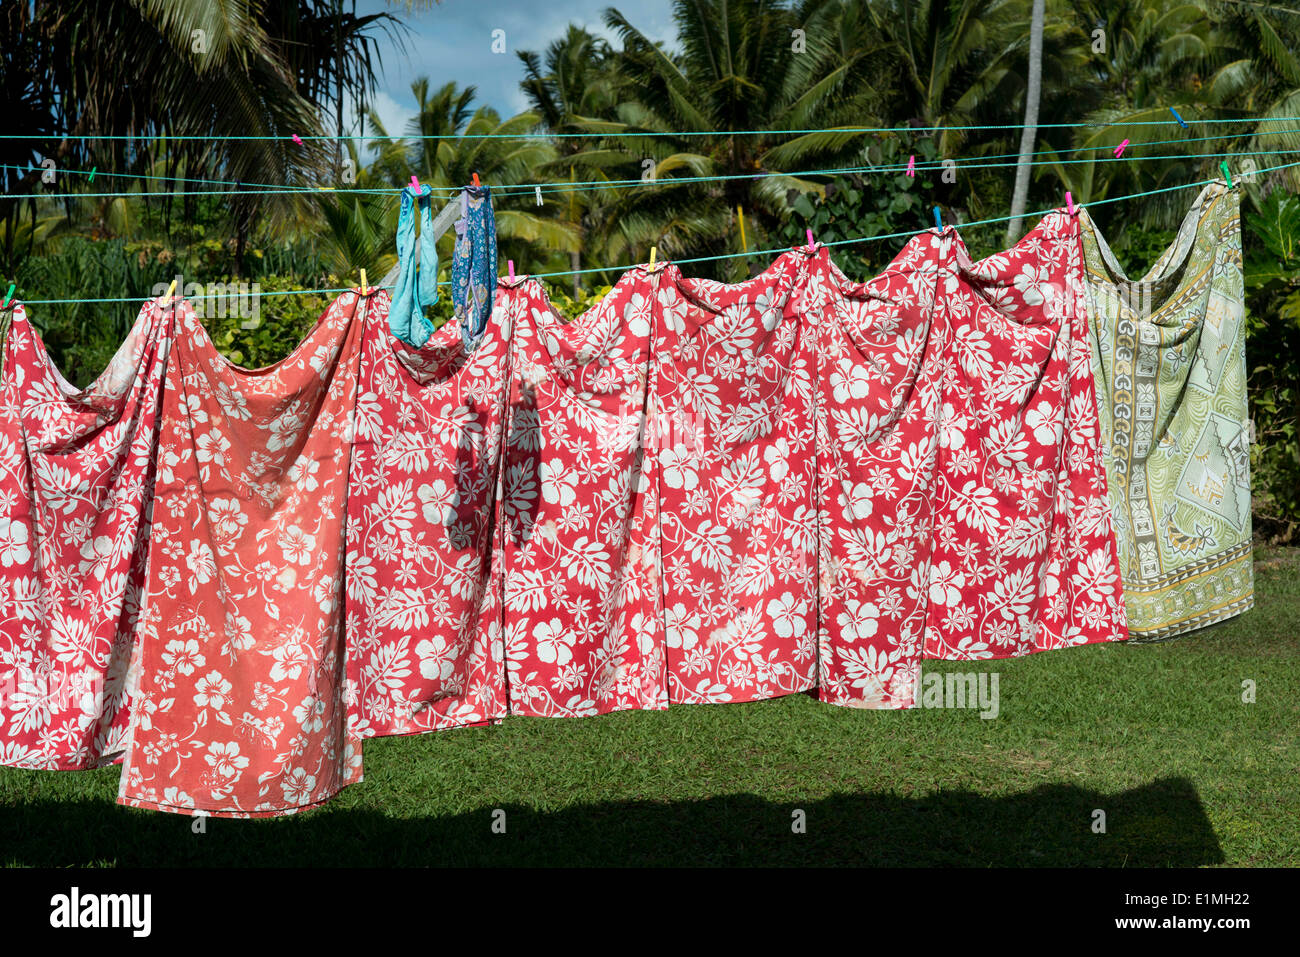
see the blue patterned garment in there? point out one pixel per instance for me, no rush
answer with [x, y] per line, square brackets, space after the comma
[474, 263]
[417, 282]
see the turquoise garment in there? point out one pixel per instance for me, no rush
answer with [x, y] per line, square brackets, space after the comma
[474, 263]
[417, 281]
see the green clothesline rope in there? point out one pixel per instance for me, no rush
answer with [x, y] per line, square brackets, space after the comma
[611, 132]
[564, 186]
[701, 259]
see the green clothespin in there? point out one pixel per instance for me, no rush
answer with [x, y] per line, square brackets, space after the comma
[1226, 175]
[9, 295]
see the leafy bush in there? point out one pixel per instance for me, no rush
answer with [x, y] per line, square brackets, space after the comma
[1272, 241]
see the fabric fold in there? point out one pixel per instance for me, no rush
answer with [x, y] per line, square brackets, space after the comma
[582, 608]
[241, 707]
[76, 495]
[1024, 556]
[731, 426]
[424, 547]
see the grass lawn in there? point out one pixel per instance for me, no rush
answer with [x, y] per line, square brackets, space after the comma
[1156, 736]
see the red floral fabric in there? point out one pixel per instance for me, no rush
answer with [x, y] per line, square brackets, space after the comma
[582, 606]
[732, 431]
[424, 552]
[881, 355]
[241, 708]
[76, 483]
[1024, 553]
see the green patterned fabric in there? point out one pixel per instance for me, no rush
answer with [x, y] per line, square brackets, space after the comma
[1169, 356]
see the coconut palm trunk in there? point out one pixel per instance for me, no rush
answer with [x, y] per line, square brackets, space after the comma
[1032, 92]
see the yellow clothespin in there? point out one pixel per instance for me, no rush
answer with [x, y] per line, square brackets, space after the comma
[741, 214]
[653, 252]
[365, 290]
[168, 298]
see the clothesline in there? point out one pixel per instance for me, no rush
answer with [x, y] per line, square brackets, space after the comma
[695, 259]
[1098, 124]
[563, 186]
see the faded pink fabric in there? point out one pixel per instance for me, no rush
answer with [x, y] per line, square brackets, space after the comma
[241, 707]
[76, 486]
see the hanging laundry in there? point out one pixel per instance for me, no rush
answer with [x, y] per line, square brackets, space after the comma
[474, 263]
[417, 269]
[731, 427]
[1168, 351]
[1023, 556]
[881, 358]
[76, 486]
[583, 613]
[424, 551]
[241, 706]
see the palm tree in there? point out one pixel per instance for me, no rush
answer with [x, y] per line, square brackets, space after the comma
[147, 71]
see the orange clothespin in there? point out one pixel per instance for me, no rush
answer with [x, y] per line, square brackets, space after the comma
[474, 179]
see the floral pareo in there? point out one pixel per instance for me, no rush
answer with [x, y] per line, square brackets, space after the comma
[241, 709]
[423, 556]
[1024, 555]
[582, 609]
[880, 364]
[76, 483]
[731, 426]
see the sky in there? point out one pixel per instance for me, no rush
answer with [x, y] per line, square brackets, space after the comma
[453, 41]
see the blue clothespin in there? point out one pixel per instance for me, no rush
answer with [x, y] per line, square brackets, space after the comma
[938, 219]
[1181, 121]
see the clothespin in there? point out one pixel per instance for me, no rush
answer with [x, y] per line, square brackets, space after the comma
[538, 191]
[1226, 175]
[1181, 121]
[474, 178]
[297, 139]
[938, 219]
[510, 268]
[168, 298]
[365, 290]
[415, 183]
[9, 295]
[92, 173]
[811, 242]
[911, 166]
[654, 251]
[1119, 150]
[1069, 204]
[740, 215]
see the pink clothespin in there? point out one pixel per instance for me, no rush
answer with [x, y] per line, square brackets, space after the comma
[510, 266]
[911, 166]
[1119, 150]
[297, 139]
[1069, 204]
[811, 244]
[415, 183]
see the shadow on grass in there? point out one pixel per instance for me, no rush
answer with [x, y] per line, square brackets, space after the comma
[1161, 824]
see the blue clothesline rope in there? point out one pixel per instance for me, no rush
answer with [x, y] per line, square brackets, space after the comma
[701, 259]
